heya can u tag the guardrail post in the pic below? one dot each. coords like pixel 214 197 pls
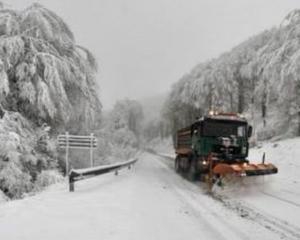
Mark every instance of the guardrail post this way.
pixel 91 150
pixel 67 153
pixel 71 183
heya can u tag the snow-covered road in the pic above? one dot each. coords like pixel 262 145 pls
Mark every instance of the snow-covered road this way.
pixel 148 202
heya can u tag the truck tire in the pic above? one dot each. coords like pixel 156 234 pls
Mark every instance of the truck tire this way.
pixel 192 173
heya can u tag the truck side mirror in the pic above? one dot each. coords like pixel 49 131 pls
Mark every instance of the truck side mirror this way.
pixel 250 129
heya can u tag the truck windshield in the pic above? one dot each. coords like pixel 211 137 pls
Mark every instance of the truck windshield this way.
pixel 223 129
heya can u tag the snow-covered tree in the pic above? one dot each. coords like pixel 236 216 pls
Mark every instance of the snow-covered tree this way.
pixel 45 75
pixel 120 133
pixel 127 114
pixel 259 77
pixel 46 79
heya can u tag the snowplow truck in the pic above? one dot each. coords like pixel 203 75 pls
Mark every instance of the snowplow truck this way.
pixel 216 146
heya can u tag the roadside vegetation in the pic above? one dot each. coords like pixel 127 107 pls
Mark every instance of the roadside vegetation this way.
pixel 47 85
pixel 258 78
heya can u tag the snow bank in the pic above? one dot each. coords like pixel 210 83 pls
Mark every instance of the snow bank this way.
pixel 46 178
pixel 285 155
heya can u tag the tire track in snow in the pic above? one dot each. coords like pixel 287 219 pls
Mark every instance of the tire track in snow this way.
pixel 290 192
pixel 282 228
pixel 201 210
pixel 280 199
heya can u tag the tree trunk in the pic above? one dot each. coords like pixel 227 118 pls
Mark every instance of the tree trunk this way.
pixel 297 88
pixel 231 103
pixel 241 95
pixel 264 112
pixel 264 104
pixel 210 98
pixel 298 123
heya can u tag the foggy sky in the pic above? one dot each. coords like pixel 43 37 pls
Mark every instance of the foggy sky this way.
pixel 143 46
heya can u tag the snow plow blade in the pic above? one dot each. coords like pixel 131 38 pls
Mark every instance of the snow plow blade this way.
pixel 245 169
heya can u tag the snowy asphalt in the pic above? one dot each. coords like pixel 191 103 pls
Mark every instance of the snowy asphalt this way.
pixel 147 202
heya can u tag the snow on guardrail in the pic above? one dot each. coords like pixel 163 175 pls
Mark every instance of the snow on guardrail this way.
pixel 80 174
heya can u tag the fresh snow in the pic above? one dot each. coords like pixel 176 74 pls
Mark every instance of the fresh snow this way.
pixel 274 200
pixel 150 201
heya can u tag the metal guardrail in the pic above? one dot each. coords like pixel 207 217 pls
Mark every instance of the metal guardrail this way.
pixel 80 174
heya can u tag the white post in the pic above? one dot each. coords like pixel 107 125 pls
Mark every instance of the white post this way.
pixel 91 150
pixel 67 153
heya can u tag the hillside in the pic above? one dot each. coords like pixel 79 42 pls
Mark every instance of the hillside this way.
pixel 152 106
pixel 47 85
pixel 258 78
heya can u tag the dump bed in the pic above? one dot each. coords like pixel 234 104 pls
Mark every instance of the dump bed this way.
pixel 184 141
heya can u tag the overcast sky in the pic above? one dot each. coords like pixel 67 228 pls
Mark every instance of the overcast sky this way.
pixel 143 46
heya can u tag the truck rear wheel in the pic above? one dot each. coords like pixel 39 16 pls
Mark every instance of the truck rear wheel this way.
pixel 192 173
pixel 177 164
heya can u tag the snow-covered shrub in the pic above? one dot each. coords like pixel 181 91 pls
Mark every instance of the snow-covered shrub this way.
pixel 119 137
pixel 123 137
pixel 46 178
pixel 3 197
pixel 13 181
pixel 21 158
pixel 115 146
